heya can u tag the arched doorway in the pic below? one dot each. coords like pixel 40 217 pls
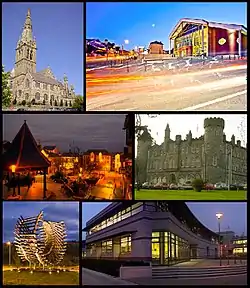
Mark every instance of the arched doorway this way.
pixel 172 178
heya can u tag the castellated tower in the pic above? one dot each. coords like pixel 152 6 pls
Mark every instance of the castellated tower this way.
pixel 144 144
pixel 214 156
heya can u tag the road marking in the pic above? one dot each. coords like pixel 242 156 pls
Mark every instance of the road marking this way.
pixel 196 107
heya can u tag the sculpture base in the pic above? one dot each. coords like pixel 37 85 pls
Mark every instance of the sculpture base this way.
pixel 40 270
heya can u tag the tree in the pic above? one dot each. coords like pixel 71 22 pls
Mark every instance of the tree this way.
pixel 78 103
pixel 6 92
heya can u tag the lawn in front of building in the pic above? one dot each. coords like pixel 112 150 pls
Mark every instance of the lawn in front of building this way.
pixel 145 194
pixel 38 278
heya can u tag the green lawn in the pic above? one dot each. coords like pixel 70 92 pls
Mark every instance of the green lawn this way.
pixel 144 194
pixel 40 278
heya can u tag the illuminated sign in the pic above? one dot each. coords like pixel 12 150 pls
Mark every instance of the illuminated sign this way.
pixel 222 41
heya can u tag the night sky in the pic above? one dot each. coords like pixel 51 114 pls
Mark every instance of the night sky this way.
pixel 92 131
pixel 53 211
pixel 234 219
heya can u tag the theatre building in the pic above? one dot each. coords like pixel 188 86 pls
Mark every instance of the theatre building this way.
pixel 163 232
pixel 196 37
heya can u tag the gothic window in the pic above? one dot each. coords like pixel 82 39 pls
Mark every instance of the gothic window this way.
pixel 31 55
pixel 27 96
pixel 214 160
pixel 52 98
pixel 182 163
pixel 46 98
pixel 37 96
pixel 37 85
pixel 28 53
pixel 44 86
pixel 51 87
pixel 27 83
pixel 19 93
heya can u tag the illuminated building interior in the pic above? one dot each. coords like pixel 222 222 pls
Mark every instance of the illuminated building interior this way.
pixel 196 37
pixel 137 238
pixel 240 246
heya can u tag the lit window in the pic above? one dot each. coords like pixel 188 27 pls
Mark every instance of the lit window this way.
pixel 126 244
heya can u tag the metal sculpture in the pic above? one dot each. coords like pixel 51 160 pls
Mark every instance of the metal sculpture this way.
pixel 40 242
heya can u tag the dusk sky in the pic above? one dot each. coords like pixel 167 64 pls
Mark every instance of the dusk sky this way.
pixel 58 29
pixel 234 219
pixel 93 131
pixel 141 23
pixel 53 211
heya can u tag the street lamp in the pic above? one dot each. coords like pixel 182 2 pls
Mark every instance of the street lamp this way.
pixel 107 50
pixel 9 244
pixel 13 170
pixel 219 216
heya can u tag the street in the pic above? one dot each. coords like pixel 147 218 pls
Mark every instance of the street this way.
pixel 90 277
pixel 112 186
pixel 214 87
pixel 234 280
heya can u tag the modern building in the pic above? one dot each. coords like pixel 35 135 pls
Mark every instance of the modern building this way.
pixel 195 37
pixel 156 47
pixel 210 157
pixel 233 245
pixel 31 87
pixel 163 232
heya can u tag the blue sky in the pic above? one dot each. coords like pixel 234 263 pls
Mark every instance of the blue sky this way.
pixel 58 29
pixel 133 21
pixel 53 211
pixel 234 219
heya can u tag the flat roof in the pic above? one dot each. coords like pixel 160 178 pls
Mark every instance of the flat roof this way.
pixel 178 208
pixel 177 28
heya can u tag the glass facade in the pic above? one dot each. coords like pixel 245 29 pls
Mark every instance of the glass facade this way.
pixel 168 248
pixel 107 247
pixel 122 215
pixel 125 244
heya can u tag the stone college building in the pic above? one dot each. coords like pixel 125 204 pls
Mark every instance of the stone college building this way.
pixel 36 87
pixel 210 157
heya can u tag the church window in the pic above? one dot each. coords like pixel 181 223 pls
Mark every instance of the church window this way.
pixel 52 98
pixel 27 96
pixel 214 160
pixel 27 83
pixel 28 53
pixel 51 87
pixel 19 93
pixel 45 86
pixel 31 55
pixel 37 85
pixel 37 96
pixel 46 98
pixel 182 163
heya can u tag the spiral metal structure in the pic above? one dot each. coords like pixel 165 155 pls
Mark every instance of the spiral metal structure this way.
pixel 40 242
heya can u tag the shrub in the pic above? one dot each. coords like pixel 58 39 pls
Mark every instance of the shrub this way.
pixel 23 102
pixel 198 184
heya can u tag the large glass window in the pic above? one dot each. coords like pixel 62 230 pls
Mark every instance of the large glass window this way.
pixel 107 247
pixel 121 215
pixel 126 244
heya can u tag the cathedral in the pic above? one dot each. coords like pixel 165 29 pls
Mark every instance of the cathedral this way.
pixel 31 87
pixel 210 157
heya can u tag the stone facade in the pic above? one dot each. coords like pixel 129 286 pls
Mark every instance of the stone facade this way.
pixel 209 157
pixel 36 87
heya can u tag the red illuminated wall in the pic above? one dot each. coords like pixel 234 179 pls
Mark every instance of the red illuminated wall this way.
pixel 229 47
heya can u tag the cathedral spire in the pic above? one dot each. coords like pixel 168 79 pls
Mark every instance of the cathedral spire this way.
pixel 27 29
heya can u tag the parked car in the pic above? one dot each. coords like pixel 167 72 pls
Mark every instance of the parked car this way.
pixel 221 186
pixel 209 186
pixel 186 186
pixel 173 186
